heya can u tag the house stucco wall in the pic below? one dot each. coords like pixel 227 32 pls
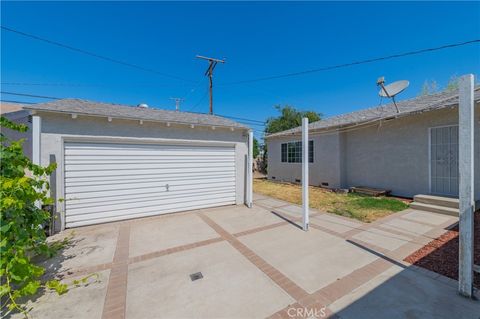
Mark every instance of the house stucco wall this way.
pixel 395 155
pixel 57 128
pixel 392 155
pixel 326 161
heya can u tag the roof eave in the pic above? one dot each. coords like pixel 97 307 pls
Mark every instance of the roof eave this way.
pixel 361 123
pixel 139 119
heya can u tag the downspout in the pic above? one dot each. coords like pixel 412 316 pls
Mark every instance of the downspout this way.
pixel 249 197
pixel 36 143
pixel 305 182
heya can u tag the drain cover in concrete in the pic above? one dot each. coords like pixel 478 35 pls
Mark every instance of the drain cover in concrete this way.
pixel 196 276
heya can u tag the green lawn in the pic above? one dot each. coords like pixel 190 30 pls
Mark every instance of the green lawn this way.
pixel 361 207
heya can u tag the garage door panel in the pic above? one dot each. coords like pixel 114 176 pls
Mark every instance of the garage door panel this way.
pixel 153 202
pixel 113 200
pixel 148 214
pixel 100 146
pixel 106 182
pixel 135 161
pixel 141 210
pixel 92 199
pixel 150 151
pixel 139 171
pixel 136 158
pixel 142 153
pixel 92 181
pixel 97 198
pixel 139 190
pixel 130 167
pixel 161 185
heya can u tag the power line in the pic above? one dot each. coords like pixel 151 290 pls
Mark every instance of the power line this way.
pixel 90 85
pixel 338 66
pixel 241 118
pixel 92 54
pixel 30 95
pixel 14 101
pixel 193 89
pixel 199 101
pixel 251 124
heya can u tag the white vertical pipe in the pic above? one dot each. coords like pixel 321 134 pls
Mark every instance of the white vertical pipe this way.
pixel 466 187
pixel 250 170
pixel 305 207
pixel 36 143
pixel 36 136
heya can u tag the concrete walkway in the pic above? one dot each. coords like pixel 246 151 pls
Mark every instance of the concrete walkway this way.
pixel 255 263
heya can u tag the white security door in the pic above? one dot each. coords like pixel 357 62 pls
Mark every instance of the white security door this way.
pixel 108 182
pixel 444 160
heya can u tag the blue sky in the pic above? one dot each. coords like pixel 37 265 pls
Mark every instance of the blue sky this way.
pixel 257 39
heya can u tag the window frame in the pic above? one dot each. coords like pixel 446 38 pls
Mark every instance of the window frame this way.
pixel 291 152
pixel 284 153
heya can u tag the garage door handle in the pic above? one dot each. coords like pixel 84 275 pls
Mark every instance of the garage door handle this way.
pixel 167 187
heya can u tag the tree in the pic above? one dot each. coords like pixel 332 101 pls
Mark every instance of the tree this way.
pixel 452 84
pixel 289 118
pixel 256 149
pixel 429 87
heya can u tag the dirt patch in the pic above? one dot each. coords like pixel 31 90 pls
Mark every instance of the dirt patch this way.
pixel 441 255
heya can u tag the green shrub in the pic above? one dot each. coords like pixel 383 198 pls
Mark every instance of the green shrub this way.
pixel 24 189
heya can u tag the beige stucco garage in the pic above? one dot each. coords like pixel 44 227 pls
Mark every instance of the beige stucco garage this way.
pixel 117 162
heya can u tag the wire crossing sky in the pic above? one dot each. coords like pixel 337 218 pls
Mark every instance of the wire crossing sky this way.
pixel 316 56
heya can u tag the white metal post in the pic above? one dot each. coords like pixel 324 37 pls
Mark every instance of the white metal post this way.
pixel 36 144
pixel 466 187
pixel 305 207
pixel 36 136
pixel 250 170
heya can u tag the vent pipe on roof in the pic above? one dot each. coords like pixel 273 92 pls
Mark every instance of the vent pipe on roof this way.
pixel 143 105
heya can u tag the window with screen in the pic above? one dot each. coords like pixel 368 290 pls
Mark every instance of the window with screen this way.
pixel 291 152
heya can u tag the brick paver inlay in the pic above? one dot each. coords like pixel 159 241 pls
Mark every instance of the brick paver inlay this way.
pixel 116 295
pixel 280 279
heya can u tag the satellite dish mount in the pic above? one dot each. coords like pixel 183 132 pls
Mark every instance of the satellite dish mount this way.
pixel 392 89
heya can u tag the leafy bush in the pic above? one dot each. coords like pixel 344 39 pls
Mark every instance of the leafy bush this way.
pixel 24 189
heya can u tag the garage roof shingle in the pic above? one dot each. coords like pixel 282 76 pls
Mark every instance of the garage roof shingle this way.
pixel 407 107
pixel 79 106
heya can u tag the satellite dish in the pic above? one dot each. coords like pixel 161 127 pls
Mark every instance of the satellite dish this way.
pixel 392 89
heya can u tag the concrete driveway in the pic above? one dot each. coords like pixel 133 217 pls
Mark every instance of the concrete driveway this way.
pixel 255 263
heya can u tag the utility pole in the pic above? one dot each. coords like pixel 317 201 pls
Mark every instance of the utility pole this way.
pixel 212 64
pixel 178 101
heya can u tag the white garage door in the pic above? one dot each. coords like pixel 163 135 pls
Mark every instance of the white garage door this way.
pixel 108 182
